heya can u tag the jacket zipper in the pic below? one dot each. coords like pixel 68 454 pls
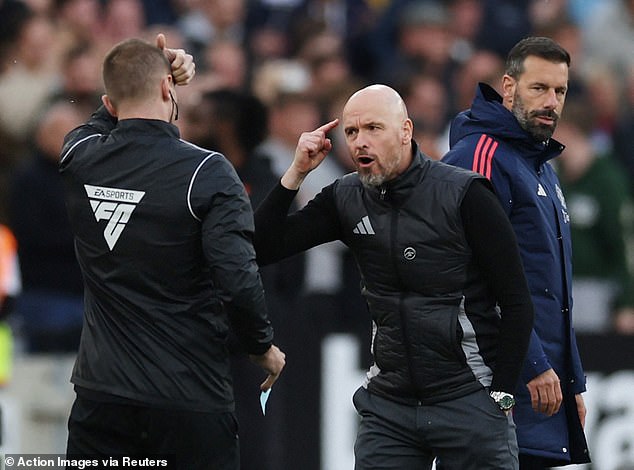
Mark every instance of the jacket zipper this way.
pixel 401 310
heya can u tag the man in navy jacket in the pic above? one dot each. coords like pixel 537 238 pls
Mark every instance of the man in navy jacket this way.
pixel 508 139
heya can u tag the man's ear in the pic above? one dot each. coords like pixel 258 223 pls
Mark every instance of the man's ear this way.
pixel 509 85
pixel 166 87
pixel 109 105
pixel 408 131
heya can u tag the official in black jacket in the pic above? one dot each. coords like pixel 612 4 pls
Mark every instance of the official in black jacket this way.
pixel 443 281
pixel 163 234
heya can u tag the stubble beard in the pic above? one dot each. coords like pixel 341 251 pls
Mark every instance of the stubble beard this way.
pixel 370 180
pixel 528 120
pixel 375 180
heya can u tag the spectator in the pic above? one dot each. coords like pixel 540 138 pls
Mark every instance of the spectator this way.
pixel 481 67
pixel 80 22
pixel 29 78
pixel 206 21
pixel 466 18
pixel 317 286
pixel 10 280
pixel 226 65
pixel 161 12
pixel 604 91
pixel 9 288
pixel 598 199
pixel 542 14
pixel 324 55
pixel 422 38
pixel 507 21
pixel 50 308
pixel 14 14
pixel 609 35
pixel 623 142
pixel 427 102
pixel 123 19
pixel 236 124
pixel 80 17
pixel 80 81
pixel 280 77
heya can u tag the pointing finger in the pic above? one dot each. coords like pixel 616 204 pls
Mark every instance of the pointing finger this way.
pixel 328 126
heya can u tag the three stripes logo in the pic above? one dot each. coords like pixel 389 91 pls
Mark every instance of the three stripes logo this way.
pixel 483 156
pixel 114 205
pixel 364 227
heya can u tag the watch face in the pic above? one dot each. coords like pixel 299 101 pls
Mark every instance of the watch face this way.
pixel 506 402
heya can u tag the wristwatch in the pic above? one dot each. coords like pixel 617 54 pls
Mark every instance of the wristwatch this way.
pixel 504 400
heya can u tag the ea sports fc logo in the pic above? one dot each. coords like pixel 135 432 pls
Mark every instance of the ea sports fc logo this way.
pixel 114 205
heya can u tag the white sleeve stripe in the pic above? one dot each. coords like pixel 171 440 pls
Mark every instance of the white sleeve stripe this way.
pixel 191 185
pixel 77 143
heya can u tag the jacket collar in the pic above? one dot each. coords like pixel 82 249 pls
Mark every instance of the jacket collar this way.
pixel 149 126
pixel 488 116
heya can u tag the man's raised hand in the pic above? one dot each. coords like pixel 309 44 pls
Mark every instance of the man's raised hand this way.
pixel 311 150
pixel 183 66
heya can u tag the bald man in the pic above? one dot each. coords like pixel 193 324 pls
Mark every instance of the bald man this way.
pixel 442 278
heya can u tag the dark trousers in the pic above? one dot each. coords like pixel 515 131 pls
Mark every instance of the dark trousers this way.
pixel 466 433
pixel 187 440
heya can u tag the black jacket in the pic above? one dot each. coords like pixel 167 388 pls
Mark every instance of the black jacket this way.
pixel 431 287
pixel 163 235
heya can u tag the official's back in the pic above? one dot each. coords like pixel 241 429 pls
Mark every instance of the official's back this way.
pixel 140 201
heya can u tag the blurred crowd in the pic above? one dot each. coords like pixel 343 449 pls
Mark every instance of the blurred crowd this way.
pixel 268 70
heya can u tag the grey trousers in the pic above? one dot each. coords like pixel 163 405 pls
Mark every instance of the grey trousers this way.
pixel 469 432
